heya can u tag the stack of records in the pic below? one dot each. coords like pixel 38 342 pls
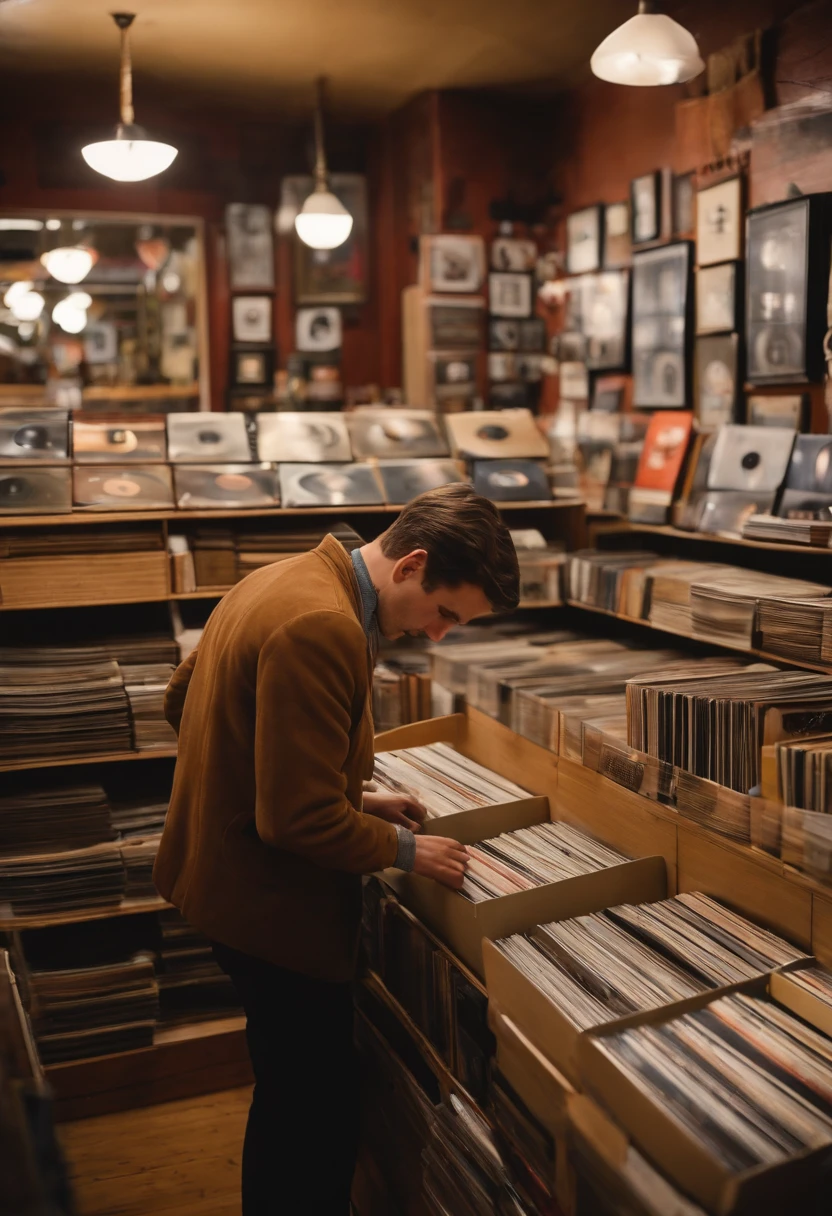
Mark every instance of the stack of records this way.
pixel 262 548
pixel 474 644
pixel 215 563
pixel 138 858
pixel 724 609
pixel 667 592
pixel 541 567
pixel 443 780
pixel 418 974
pixel 138 817
pixel 42 883
pixel 129 648
pixel 145 686
pixel 94 1011
pixel 37 818
pixel 815 982
pixel 611 964
pixel 804 772
pixel 191 985
pixel 532 857
pixel 815 532
pixel 796 629
pixel 464 1172
pixel 527 1147
pixel 599 580
pixel 401 688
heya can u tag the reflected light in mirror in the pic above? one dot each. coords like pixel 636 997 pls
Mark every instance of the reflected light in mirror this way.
pixel 71 318
pixel 69 264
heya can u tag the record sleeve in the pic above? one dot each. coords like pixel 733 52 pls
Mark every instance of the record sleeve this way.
pixel 790 410
pixel 232 486
pixel 303 437
pixel 390 433
pixel 329 485
pixel 496 434
pixel 716 379
pixel 134 488
pixel 753 459
pixel 728 510
pixel 511 480
pixel 34 435
pixel 208 437
pixel 27 491
pixel 807 493
pixel 110 439
pixel 665 446
pixel 406 479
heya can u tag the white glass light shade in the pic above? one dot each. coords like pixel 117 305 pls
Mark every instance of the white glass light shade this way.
pixel 24 305
pixel 323 221
pixel 649 49
pixel 16 290
pixel 71 318
pixel 69 264
pixel 79 299
pixel 129 160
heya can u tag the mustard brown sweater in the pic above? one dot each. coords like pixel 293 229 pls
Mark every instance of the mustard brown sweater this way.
pixel 265 840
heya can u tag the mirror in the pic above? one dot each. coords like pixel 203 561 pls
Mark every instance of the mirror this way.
pixel 103 312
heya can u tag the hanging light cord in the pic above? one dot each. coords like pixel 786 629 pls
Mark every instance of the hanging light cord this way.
pixel 320 157
pixel 124 21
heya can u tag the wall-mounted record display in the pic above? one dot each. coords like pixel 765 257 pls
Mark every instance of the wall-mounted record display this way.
pixel 788 409
pixel 133 488
pixel 210 437
pixel 30 491
pixel 750 458
pixel 110 439
pixel 34 435
pixel 303 438
pixel 496 434
pixel 329 485
pixel 511 480
pixel 396 433
pixel 406 479
pixel 807 492
pixel 716 380
pixel 204 487
pixel 660 309
pixel 787 272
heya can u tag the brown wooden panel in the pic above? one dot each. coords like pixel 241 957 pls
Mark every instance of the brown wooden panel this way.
pixel 822 928
pixel 498 748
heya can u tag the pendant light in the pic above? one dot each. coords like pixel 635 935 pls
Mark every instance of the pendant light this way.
pixel 131 156
pixel 23 302
pixel 649 49
pixel 69 263
pixel 323 221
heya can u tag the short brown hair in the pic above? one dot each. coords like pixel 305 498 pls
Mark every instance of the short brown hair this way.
pixel 465 539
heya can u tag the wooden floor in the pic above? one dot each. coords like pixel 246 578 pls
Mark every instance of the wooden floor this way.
pixel 179 1159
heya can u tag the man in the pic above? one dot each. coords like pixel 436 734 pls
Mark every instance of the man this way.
pixel 266 836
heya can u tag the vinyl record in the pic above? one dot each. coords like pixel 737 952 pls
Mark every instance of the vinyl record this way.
pixel 34 435
pixel 810 468
pixel 329 485
pixel 303 437
pixel 35 491
pixel 496 434
pixel 511 480
pixel 396 433
pixel 203 487
pixel 406 479
pixel 122 489
pixel 753 459
pixel 208 437
pixel 109 439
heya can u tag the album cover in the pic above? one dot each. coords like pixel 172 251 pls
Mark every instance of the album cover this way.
pixel 716 379
pixel 719 218
pixel 396 433
pixel 717 298
pixel 504 334
pixel 252 368
pixel 665 447
pixel 208 436
pixel 695 484
pixel 452 263
pixel 248 230
pixel 787 410
pixel 502 365
pixel 496 434
pixel 28 491
pixel 510 253
pixel 303 438
pixel 607 394
pixel 584 240
pixel 508 395
pixel 108 438
pixel 455 324
pixel 729 510
pixel 753 459
pixel 329 485
pixel 646 208
pixel 511 480
pixel 33 434
pixel 318 329
pixel 406 479
pixel 807 492
pixel 617 244
pixel 251 318
pixel 510 295
pixel 231 486
pixel 661 293
pixel 134 488
pixel 532 335
pixel 452 376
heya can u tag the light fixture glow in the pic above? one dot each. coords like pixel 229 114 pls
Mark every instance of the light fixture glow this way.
pixel 25 305
pixel 69 263
pixel 17 289
pixel 649 49
pixel 7 225
pixel 80 299
pixel 53 225
pixel 69 316
pixel 130 156
pixel 323 221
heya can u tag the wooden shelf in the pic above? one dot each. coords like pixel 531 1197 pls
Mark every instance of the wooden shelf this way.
pixel 127 907
pixel 20 766
pixel 140 392
pixel 709 538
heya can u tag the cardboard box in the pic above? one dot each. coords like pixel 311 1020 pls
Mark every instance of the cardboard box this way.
pixel 535 1080
pixel 796 998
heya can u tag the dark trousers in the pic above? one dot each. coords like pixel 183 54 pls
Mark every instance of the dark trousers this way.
pixel 302 1134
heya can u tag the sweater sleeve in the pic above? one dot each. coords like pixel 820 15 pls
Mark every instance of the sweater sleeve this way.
pixel 177 690
pixel 311 681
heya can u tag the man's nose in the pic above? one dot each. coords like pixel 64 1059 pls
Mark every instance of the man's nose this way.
pixel 437 632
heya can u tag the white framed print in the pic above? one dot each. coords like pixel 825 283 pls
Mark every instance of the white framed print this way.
pixel 318 329
pixel 719 222
pixel 509 295
pixel 453 263
pixel 251 318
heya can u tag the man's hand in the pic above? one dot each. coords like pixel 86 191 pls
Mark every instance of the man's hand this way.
pixel 441 859
pixel 394 808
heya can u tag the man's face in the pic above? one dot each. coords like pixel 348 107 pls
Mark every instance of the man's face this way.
pixel 405 607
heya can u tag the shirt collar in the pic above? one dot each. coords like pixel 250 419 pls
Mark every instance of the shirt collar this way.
pixel 369 598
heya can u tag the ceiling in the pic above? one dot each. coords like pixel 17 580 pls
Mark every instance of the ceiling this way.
pixel 375 53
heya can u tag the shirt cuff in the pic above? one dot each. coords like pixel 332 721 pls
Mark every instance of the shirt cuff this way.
pixel 406 855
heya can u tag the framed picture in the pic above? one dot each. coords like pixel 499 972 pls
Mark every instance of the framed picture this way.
pixel 502 366
pixel 788 409
pixel 716 380
pixel 682 205
pixel 251 318
pixel 328 276
pixel 510 295
pixel 503 335
pixel 512 395
pixel 452 263
pixel 533 335
pixel 509 253
pixel 607 394
pixel 574 381
pixel 646 207
pixel 661 303
pixel 318 329
pixel 717 298
pixel 584 240
pixel 252 368
pixel 530 368
pixel 719 222
pixel 248 230
pixel 617 243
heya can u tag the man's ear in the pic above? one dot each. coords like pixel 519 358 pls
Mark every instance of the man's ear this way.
pixel 410 566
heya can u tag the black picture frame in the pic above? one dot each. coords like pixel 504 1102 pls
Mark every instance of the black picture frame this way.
pixel 252 367
pixel 661 311
pixel 646 208
pixel 717 380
